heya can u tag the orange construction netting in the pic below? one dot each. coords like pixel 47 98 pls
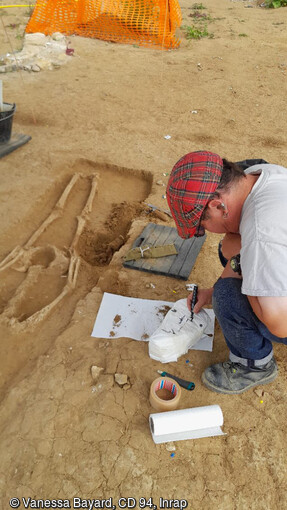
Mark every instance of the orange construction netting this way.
pixel 142 22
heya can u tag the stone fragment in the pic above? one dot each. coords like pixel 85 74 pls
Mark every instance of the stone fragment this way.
pixel 57 36
pixel 35 68
pixel 260 393
pixel 121 379
pixel 96 372
pixel 37 39
pixel 170 447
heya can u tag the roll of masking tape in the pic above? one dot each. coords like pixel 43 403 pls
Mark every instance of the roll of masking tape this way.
pixel 164 394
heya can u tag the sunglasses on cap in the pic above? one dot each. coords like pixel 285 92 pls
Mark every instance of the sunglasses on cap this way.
pixel 200 231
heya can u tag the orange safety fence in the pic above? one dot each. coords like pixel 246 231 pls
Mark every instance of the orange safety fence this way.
pixel 141 22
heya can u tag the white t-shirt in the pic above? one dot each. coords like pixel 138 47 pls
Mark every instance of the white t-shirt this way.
pixel 263 229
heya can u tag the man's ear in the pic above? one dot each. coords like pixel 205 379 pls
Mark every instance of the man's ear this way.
pixel 216 203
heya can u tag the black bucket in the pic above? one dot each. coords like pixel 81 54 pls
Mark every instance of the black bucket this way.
pixel 6 121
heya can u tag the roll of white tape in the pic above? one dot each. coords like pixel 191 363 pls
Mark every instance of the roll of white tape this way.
pixel 190 423
pixel 164 394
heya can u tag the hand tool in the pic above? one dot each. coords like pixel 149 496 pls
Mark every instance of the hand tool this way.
pixel 188 385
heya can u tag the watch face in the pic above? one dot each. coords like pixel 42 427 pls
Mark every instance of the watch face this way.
pixel 235 264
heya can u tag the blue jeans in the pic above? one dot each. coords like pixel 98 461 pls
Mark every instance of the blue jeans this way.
pixel 248 339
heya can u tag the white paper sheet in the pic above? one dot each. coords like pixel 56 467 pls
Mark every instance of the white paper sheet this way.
pixel 183 424
pixel 121 316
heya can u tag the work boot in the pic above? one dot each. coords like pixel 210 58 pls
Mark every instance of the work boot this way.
pixel 234 378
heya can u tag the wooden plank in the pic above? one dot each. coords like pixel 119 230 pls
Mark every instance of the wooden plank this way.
pixel 163 265
pixel 176 266
pixel 187 256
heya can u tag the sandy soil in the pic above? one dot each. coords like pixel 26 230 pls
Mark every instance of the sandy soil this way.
pixel 105 114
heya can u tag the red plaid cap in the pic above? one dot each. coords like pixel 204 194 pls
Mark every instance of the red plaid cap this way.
pixel 192 182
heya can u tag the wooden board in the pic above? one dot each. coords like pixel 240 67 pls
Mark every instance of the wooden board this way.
pixel 16 140
pixel 177 266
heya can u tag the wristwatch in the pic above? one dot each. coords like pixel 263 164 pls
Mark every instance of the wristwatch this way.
pixel 235 264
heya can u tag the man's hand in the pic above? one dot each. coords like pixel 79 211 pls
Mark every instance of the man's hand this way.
pixel 204 297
